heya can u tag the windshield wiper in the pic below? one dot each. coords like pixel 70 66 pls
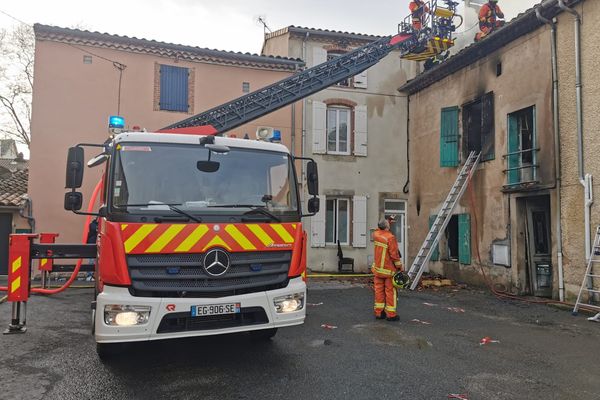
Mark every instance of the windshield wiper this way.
pixel 172 207
pixel 180 211
pixel 253 209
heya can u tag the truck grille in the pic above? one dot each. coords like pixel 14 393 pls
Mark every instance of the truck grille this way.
pixel 182 322
pixel 183 275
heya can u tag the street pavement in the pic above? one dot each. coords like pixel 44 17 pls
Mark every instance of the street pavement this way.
pixel 541 353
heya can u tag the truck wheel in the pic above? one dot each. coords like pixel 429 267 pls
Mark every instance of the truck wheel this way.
pixel 263 334
pixel 107 351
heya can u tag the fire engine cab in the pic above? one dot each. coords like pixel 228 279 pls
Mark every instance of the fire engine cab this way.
pixel 197 235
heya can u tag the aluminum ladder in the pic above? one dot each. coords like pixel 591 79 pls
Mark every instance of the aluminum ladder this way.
pixel 588 280
pixel 442 219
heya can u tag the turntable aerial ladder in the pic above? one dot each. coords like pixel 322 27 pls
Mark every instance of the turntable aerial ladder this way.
pixel 434 37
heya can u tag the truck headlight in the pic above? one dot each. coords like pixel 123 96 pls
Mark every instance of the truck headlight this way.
pixel 289 303
pixel 124 315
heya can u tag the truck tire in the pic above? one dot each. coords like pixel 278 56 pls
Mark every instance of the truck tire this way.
pixel 263 334
pixel 107 351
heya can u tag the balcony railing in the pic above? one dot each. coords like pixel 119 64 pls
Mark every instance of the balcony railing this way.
pixel 522 168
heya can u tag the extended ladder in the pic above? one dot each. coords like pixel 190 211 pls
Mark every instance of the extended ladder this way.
pixel 441 221
pixel 588 280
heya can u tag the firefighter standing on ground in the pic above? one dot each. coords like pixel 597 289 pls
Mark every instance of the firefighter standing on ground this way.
pixel 386 262
pixel 488 19
pixel 418 8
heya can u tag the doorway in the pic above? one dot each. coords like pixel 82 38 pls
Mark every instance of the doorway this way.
pixel 5 230
pixel 538 246
pixel 397 208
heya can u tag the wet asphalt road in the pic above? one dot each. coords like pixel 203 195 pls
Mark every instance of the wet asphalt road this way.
pixel 544 353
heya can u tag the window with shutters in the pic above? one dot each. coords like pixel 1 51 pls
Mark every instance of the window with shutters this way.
pixel 478 127
pixel 337 220
pixel 449 137
pixel 338 130
pixel 397 209
pixel 174 88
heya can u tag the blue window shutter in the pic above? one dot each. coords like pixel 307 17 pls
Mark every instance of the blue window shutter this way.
pixel 449 137
pixel 514 160
pixel 464 237
pixel 173 88
pixel 435 256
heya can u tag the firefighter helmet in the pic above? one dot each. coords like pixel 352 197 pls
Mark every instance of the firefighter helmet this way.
pixel 400 280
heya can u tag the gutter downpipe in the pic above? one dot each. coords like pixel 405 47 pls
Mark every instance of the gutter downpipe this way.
pixel 557 169
pixel 304 103
pixel 585 180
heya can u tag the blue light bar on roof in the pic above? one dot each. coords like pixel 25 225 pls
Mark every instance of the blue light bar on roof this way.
pixel 114 121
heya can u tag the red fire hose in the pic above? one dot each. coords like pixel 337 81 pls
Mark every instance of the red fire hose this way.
pixel 79 262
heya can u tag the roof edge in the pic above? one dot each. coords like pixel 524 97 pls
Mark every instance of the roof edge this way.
pixel 60 34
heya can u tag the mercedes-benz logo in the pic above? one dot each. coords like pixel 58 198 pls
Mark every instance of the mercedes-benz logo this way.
pixel 216 262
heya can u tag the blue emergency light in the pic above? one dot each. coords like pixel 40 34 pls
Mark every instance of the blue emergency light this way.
pixel 276 136
pixel 116 122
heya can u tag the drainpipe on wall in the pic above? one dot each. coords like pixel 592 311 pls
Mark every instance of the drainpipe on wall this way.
pixel 585 180
pixel 557 171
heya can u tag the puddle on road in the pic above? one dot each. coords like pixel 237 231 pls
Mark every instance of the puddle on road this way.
pixel 388 336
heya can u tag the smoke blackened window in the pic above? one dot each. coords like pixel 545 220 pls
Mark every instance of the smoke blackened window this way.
pixel 478 127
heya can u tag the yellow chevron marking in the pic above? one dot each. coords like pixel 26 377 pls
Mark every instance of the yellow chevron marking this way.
pixel 44 262
pixel 260 234
pixel 282 233
pixel 124 226
pixel 16 284
pixel 239 237
pixel 16 264
pixel 216 241
pixel 164 239
pixel 138 236
pixel 192 239
pixel 294 226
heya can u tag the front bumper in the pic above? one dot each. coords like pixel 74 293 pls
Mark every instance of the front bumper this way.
pixel 161 307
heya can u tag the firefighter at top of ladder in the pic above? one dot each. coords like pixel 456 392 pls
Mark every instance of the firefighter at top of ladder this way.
pixel 418 8
pixel 489 14
pixel 385 264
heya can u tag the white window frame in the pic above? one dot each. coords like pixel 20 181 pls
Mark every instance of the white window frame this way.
pixel 336 208
pixel 337 131
pixel 402 213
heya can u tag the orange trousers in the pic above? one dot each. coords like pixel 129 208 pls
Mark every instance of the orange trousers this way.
pixel 386 297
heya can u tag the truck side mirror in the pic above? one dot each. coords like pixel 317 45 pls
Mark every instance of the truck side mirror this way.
pixel 313 205
pixel 312 179
pixel 74 168
pixel 73 201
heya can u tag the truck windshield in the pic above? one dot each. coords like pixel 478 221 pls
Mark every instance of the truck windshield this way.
pixel 152 177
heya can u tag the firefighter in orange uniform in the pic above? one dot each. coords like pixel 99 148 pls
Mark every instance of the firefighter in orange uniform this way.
pixel 488 19
pixel 418 8
pixel 386 262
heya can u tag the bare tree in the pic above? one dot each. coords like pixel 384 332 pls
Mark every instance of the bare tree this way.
pixel 16 82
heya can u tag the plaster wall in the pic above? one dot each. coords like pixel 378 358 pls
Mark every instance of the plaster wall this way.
pixel 72 102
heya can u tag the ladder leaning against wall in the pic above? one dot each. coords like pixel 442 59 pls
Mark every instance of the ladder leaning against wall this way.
pixel 442 219
pixel 591 281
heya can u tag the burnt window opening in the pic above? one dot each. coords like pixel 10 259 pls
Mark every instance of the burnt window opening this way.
pixel 499 69
pixel 451 236
pixel 478 127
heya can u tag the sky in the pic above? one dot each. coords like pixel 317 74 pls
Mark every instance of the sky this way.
pixel 219 24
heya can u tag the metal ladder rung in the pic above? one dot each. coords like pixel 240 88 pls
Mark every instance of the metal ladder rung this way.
pixel 593 290
pixel 593 276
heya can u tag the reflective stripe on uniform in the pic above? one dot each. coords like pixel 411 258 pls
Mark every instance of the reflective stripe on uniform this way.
pixel 383 271
pixel 392 307
pixel 398 263
pixel 383 254
pixel 379 306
